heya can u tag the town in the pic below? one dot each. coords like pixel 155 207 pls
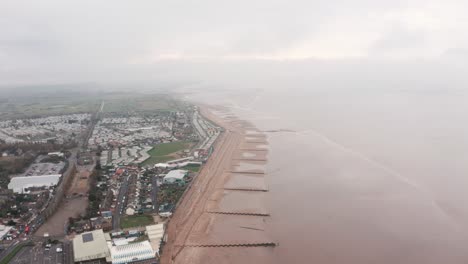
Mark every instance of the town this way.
pixel 97 186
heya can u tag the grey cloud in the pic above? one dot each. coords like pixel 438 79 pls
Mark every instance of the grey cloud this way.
pixel 53 39
pixel 399 39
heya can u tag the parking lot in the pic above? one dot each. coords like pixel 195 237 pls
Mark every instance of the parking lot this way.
pixel 44 168
pixel 39 254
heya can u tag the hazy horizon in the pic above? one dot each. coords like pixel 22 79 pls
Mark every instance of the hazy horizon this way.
pixel 239 44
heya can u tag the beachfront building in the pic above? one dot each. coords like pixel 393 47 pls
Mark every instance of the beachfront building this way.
pixel 155 235
pixel 132 252
pixel 175 176
pixel 91 247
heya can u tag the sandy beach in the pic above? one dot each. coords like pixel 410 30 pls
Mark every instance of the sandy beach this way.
pixel 359 178
pixel 225 204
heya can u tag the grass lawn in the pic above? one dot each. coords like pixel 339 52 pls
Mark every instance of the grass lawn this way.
pixel 46 106
pixel 161 152
pixel 192 168
pixel 124 102
pixel 136 221
pixel 168 148
pixel 170 194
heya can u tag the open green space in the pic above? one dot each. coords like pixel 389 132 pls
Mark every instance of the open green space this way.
pixel 123 103
pixel 192 168
pixel 136 221
pixel 170 193
pixel 30 102
pixel 45 106
pixel 168 148
pixel 162 152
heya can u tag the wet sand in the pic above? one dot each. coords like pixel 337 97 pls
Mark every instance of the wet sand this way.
pixel 361 176
pixel 218 208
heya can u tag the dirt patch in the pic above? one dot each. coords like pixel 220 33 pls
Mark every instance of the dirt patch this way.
pixel 80 184
pixel 55 225
pixel 74 204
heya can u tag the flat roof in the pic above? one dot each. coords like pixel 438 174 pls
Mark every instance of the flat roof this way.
pixel 155 232
pixel 176 174
pixel 155 235
pixel 4 230
pixel 89 246
pixel 18 184
pixel 132 252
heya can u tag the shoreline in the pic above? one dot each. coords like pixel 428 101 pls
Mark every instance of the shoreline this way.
pixel 202 215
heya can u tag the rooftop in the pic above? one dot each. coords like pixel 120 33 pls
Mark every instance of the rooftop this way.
pixel 155 234
pixel 18 184
pixel 4 230
pixel 176 174
pixel 89 246
pixel 132 252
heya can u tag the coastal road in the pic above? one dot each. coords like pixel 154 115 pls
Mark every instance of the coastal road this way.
pixel 193 204
pixel 121 203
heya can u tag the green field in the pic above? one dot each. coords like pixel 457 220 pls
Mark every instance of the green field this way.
pixel 162 152
pixel 124 103
pixel 136 221
pixel 192 168
pixel 45 101
pixel 40 106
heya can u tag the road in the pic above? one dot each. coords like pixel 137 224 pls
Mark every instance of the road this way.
pixel 38 254
pixel 60 191
pixel 37 221
pixel 192 206
pixel 49 256
pixel 102 106
pixel 121 203
pixel 154 193
pixel 10 247
pixel 94 120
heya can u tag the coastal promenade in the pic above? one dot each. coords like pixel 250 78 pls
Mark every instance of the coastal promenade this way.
pixel 190 224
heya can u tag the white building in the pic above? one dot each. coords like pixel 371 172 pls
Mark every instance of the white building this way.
pixel 130 211
pixel 132 252
pixel 4 230
pixel 55 154
pixel 175 176
pixel 90 246
pixel 155 235
pixel 19 184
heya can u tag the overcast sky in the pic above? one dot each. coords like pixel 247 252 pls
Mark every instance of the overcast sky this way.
pixel 86 40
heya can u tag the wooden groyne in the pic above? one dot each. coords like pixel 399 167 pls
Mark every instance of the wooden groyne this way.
pixel 246 189
pixel 238 213
pixel 248 172
pixel 247 159
pixel 259 244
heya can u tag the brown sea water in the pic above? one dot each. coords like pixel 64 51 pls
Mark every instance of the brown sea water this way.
pixel 362 178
